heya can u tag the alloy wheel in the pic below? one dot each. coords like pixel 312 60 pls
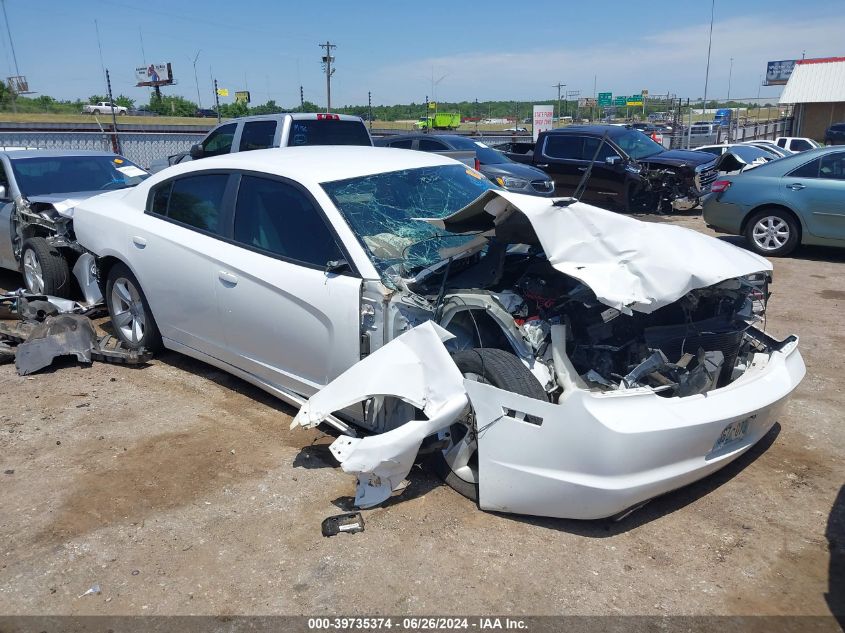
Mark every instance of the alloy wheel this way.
pixel 127 310
pixel 770 233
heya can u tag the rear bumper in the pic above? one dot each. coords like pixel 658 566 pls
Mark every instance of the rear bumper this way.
pixel 596 455
pixel 723 216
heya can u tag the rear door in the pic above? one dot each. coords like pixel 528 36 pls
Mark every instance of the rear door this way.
pixel 285 319
pixel 561 158
pixel 817 191
pixel 174 250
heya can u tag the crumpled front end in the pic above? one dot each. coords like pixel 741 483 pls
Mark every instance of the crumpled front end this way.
pixel 628 374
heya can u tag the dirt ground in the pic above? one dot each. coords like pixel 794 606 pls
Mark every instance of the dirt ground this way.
pixel 180 490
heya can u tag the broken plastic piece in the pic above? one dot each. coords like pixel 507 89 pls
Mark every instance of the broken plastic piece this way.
pixel 61 335
pixel 94 590
pixel 350 523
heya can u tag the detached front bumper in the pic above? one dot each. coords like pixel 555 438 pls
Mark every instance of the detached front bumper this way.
pixel 595 455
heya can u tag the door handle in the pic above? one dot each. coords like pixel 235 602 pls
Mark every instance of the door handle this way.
pixel 139 241
pixel 796 186
pixel 544 165
pixel 227 278
pixel 582 169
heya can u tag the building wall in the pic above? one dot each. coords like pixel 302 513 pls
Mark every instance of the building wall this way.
pixel 814 118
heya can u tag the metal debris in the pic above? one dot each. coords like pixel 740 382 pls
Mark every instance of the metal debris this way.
pixel 350 522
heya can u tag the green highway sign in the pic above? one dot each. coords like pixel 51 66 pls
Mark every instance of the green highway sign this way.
pixel 620 101
pixel 605 99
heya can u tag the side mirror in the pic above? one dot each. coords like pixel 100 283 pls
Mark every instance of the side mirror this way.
pixel 3 194
pixel 336 266
pixel 196 151
pixel 613 160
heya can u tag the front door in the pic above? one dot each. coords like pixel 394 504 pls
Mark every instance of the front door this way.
pixel 285 319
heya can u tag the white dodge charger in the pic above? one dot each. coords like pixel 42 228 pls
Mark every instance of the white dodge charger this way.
pixel 553 358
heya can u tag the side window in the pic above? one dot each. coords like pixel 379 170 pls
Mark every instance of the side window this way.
pixel 564 146
pixel 833 166
pixel 197 201
pixel 428 145
pixel 606 151
pixel 220 140
pixel 161 196
pixel 4 182
pixel 781 142
pixel 405 143
pixel 810 170
pixel 800 145
pixel 278 218
pixel 257 135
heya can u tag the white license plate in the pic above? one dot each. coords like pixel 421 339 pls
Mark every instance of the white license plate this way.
pixel 733 432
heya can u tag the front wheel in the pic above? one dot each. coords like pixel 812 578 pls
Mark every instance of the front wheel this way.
pixel 44 268
pixel 457 462
pixel 772 232
pixel 129 311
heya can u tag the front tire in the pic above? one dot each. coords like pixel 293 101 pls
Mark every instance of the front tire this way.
pixel 44 268
pixel 130 314
pixel 772 232
pixel 457 463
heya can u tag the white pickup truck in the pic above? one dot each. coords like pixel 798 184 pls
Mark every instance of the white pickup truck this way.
pixel 103 107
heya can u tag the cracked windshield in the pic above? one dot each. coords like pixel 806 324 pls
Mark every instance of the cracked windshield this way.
pixel 384 211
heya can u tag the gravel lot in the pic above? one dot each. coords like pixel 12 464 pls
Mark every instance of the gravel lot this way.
pixel 180 490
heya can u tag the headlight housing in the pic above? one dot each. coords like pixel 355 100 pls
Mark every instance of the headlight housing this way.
pixel 511 183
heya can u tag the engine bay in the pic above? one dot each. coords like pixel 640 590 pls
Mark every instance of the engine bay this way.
pixel 701 342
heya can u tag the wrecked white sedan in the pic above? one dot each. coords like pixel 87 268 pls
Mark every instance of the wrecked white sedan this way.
pixel 556 359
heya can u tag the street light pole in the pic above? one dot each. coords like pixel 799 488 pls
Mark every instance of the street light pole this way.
pixel 196 81
pixel 730 75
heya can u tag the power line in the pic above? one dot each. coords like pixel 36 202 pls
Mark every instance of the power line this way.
pixel 11 43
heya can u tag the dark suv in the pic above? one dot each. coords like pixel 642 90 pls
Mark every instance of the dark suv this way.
pixel 630 173
pixel 835 134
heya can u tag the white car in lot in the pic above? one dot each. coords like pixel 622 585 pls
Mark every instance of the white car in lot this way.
pixel 553 358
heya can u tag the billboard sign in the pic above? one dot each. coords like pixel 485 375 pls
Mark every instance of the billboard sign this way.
pixel 777 73
pixel 242 96
pixel 543 115
pixel 605 99
pixel 587 102
pixel 154 75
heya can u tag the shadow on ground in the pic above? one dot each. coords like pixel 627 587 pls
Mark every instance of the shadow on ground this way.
pixel 835 534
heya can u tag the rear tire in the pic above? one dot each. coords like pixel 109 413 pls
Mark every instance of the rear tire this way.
pixel 457 463
pixel 772 232
pixel 130 314
pixel 44 268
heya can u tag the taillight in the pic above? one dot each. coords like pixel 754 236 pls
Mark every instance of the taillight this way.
pixel 477 164
pixel 327 117
pixel 719 186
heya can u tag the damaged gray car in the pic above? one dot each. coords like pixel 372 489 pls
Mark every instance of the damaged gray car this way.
pixel 38 192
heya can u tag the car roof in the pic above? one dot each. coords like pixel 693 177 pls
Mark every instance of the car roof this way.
pixel 297 116
pixel 314 164
pixel 46 153
pixel 788 163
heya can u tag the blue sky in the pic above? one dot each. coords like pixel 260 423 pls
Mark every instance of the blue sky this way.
pixel 485 50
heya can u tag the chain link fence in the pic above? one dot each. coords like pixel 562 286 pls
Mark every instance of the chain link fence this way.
pixel 141 148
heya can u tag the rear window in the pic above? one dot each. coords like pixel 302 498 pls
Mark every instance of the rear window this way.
pixel 328 132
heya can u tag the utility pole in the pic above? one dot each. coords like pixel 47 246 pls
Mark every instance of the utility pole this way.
pixel 476 116
pixel 15 57
pixel 370 109
pixel 426 128
pixel 301 99
pixel 328 58
pixel 558 86
pixel 709 46
pixel 217 100
pixel 115 140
